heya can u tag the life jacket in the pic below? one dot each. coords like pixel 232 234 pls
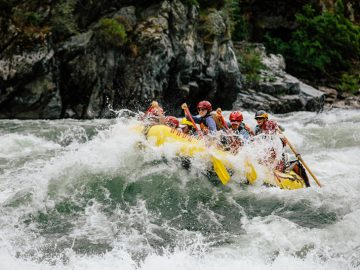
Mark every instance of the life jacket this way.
pixel 269 127
pixel 203 125
pixel 243 131
pixel 218 121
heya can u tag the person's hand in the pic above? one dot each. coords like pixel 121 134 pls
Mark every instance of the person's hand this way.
pixel 218 111
pixel 184 106
pixel 283 138
pixel 154 104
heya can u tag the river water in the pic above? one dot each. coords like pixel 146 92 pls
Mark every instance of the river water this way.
pixel 95 195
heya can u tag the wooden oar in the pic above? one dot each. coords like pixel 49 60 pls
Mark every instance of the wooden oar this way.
pixel 298 156
pixel 251 174
pixel 219 167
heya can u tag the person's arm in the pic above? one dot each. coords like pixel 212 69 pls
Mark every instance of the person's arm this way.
pixel 278 130
pixel 248 128
pixel 197 119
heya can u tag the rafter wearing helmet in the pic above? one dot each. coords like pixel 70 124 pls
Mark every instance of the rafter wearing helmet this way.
pixel 239 133
pixel 172 122
pixel 264 125
pixel 154 110
pixel 154 114
pixel 204 118
pixel 238 126
pixel 187 127
pixel 270 127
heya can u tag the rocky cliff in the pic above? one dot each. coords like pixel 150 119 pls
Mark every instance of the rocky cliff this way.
pixel 82 59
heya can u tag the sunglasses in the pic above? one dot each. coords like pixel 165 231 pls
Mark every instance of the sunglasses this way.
pixel 201 109
pixel 259 118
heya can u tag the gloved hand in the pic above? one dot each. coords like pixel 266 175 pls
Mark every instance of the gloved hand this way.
pixel 184 106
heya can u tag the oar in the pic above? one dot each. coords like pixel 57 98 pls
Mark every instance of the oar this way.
pixel 251 174
pixel 219 167
pixel 298 156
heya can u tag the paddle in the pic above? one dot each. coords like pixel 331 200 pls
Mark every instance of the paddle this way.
pixel 219 167
pixel 298 156
pixel 251 174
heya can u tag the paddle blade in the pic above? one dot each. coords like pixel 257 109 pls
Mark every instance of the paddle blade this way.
pixel 220 170
pixel 251 174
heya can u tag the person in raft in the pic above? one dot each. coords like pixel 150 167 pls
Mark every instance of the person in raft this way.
pixel 266 126
pixel 187 127
pixel 204 118
pixel 270 127
pixel 155 114
pixel 172 121
pixel 240 132
pixel 238 126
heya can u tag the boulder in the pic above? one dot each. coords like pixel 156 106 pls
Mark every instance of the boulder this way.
pixel 277 91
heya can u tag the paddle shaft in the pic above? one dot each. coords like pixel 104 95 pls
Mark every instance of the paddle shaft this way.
pixel 228 131
pixel 223 121
pixel 188 114
pixel 298 156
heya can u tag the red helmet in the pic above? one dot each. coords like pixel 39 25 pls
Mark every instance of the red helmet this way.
pixel 155 111
pixel 205 105
pixel 236 117
pixel 171 121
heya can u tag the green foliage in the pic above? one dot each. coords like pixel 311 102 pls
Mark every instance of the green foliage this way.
pixel 28 18
pixel 31 25
pixel 190 2
pixel 213 25
pixel 239 28
pixel 321 45
pixel 222 19
pixel 112 32
pixel 250 65
pixel 349 83
pixel 63 21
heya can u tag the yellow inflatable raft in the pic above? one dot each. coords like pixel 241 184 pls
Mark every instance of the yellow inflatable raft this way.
pixel 190 146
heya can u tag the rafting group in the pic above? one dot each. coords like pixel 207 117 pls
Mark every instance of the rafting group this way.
pixel 230 136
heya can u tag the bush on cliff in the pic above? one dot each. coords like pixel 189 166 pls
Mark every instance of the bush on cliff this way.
pixel 323 45
pixel 250 64
pixel 349 83
pixel 63 21
pixel 112 32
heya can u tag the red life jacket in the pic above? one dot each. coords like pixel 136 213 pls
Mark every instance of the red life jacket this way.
pixel 269 127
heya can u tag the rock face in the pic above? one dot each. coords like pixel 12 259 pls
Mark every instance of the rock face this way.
pixel 84 59
pixel 276 90
pixel 171 54
pixel 333 99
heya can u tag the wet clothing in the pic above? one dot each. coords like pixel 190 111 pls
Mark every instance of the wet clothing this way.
pixel 269 127
pixel 207 123
pixel 242 131
pixel 154 115
pixel 232 140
